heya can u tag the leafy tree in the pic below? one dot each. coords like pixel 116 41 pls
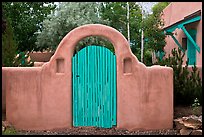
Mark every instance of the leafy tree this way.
pixel 153 33
pixel 116 13
pixel 66 17
pixel 26 18
pixel 9 45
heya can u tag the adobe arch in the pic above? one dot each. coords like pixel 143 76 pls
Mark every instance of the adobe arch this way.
pixel 67 46
pixel 127 66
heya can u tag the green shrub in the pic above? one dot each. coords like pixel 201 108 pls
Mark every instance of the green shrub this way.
pixel 187 84
pixel 9 131
pixel 148 58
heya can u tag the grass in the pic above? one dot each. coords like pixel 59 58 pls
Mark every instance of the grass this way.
pixel 9 131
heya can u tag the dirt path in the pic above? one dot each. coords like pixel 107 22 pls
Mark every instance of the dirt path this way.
pixel 98 131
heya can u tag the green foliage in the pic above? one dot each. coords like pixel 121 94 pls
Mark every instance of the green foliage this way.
pixel 148 58
pixel 153 28
pixel 187 84
pixel 66 17
pixel 153 33
pixel 195 104
pixel 9 45
pixel 21 60
pixel 159 7
pixel 94 40
pixel 116 13
pixel 9 131
pixel 26 19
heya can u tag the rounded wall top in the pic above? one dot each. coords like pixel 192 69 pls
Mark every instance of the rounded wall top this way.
pixel 69 42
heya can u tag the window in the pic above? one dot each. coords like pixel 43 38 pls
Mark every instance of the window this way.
pixel 184 43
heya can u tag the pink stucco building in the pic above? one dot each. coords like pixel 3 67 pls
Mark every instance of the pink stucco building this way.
pixel 183 27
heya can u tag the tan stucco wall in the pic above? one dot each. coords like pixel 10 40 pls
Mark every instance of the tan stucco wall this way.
pixel 38 98
pixel 175 12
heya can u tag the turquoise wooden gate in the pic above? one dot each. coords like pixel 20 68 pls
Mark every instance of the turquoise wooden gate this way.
pixel 94 87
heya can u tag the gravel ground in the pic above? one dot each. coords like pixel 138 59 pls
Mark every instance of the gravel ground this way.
pixel 98 131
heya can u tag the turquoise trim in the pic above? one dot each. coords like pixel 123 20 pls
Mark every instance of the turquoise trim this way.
pixel 181 26
pixel 176 41
pixel 191 39
pixel 172 28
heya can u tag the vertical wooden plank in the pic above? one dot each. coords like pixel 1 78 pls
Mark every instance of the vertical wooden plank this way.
pixel 79 91
pixel 111 85
pixel 85 86
pixel 75 91
pixel 98 87
pixel 101 84
pixel 73 97
pixel 115 93
pixel 103 73
pixel 88 81
pixel 81 86
pixel 105 89
pixel 94 86
pixel 90 88
pixel 91 72
pixel 109 90
pixel 96 83
pixel 87 58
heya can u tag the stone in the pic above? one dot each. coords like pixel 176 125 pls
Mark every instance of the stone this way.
pixel 192 122
pixel 200 118
pixel 196 132
pixel 185 131
pixel 3 128
pixel 193 125
pixel 179 123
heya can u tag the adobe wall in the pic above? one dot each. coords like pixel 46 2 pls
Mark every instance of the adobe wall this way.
pixel 40 98
pixel 175 12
